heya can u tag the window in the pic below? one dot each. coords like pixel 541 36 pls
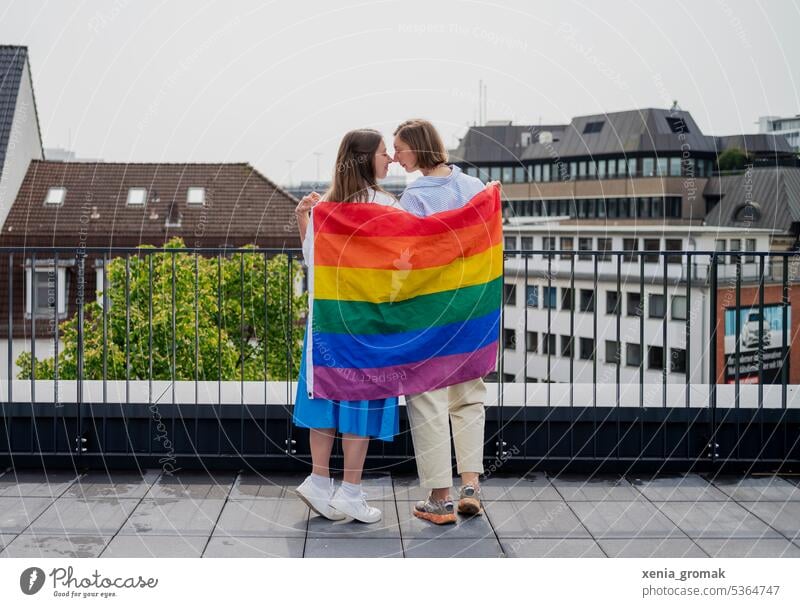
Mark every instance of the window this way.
pixel 661 166
pixel 592 127
pixel 573 170
pixel 566 245
pixel 510 243
pixel 612 302
pixel 537 172
pixel 750 246
pixel 612 167
pixel 633 355
pixel 196 196
pixel 545 172
pixel 677 125
pixel 601 169
pixel 508 174
pixel 604 245
pixel 736 245
pixel 587 300
pixel 137 196
pixel 632 167
pixel 678 307
pixel 673 244
pixel 719 247
pixel 651 244
pixel 582 169
pixel 675 167
pixel 747 214
pixel 532 341
pixel 634 304
pixel 549 294
pixel 612 205
pixel 612 352
pixel 549 343
pixel 677 360
pixel 496 173
pixel 655 357
pixel 472 171
pixel 519 174
pixel 41 285
pixel 566 346
pixel 648 167
pixel 566 299
pixel 532 296
pixel 527 243
pixel 656 307
pixel 630 244
pixel 587 348
pixel 592 169
pixel 657 207
pixel 584 244
pixel 510 339
pixel 55 196
pixel 642 207
pixel 510 294
pixel 548 244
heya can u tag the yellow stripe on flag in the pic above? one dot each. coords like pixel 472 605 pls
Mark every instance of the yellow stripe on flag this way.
pixel 378 286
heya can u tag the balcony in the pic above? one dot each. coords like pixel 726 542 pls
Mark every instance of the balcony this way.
pixel 158 415
pixel 191 360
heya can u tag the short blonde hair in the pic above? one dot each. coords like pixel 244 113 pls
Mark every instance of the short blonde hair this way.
pixel 424 140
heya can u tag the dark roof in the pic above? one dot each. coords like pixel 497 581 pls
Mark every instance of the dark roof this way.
pixel 774 194
pixel 756 143
pixel 498 143
pixel 12 63
pixel 242 206
pixel 644 130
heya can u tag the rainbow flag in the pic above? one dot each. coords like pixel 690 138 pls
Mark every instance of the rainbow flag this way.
pixel 402 304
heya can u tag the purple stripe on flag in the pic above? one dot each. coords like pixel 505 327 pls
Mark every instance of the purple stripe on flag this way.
pixel 336 383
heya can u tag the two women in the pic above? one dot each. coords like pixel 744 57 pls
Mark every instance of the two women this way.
pixel 362 160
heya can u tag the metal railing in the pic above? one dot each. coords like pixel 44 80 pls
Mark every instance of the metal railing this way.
pixel 190 359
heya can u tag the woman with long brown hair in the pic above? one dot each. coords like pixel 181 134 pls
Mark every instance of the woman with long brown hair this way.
pixel 361 161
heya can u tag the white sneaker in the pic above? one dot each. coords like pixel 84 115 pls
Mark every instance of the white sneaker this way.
pixel 318 500
pixel 357 509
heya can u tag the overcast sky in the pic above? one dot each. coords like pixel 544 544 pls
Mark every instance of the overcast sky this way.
pixel 272 82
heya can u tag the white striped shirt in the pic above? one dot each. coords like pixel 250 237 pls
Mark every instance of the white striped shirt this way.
pixel 428 195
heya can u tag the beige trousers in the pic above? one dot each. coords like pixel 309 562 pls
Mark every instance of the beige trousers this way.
pixel 429 413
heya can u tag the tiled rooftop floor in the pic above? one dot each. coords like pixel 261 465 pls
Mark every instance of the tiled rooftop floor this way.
pixel 228 514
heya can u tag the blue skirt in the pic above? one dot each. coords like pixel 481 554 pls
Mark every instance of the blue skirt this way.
pixel 371 418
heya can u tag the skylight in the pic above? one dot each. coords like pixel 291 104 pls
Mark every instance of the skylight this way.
pixel 137 196
pixel 593 127
pixel 55 196
pixel 677 125
pixel 195 195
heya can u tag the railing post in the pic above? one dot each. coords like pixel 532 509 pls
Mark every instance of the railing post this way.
pixel 80 440
pixel 712 446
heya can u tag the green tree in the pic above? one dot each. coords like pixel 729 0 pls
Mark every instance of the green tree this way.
pixel 734 159
pixel 234 332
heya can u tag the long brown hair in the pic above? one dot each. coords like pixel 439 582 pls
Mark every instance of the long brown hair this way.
pixel 354 172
